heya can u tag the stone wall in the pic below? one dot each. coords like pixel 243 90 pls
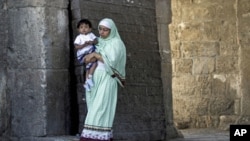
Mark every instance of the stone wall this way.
pixel 4 99
pixel 163 18
pixel 37 67
pixel 209 43
pixel 243 41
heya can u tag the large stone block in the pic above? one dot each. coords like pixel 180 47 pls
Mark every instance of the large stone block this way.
pixel 38 3
pixel 38 67
pixel 38 101
pixel 4 104
pixel 227 64
pixel 203 65
pixel 42 42
pixel 4 99
pixel 245 74
pixel 27 90
pixel 57 101
pixel 183 66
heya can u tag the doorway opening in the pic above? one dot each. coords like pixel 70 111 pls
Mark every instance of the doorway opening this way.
pixel 73 122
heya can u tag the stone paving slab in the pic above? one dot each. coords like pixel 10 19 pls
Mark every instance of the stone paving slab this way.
pixel 203 135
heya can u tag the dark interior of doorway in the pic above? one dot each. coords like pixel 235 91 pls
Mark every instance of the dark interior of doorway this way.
pixel 74 109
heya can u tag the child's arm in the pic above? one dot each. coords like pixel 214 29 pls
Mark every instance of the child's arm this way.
pixel 94 42
pixel 80 46
pixel 92 57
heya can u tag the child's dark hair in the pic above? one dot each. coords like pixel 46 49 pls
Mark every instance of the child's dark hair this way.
pixel 84 21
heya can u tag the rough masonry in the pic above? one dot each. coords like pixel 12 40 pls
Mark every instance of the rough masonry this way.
pixel 210 47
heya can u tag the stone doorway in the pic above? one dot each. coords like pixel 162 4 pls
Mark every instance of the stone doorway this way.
pixel 42 95
pixel 146 103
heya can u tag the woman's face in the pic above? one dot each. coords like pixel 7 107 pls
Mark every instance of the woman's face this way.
pixel 104 31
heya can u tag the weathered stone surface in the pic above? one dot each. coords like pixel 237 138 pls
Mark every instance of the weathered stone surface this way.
pixel 43 95
pixel 4 104
pixel 243 41
pixel 210 40
pixel 4 99
pixel 30 86
pixel 203 65
pixel 227 64
pixel 183 65
pixel 163 18
pixel 62 4
pixel 42 41
pixel 38 67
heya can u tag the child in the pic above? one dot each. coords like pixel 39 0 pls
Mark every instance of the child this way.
pixel 84 44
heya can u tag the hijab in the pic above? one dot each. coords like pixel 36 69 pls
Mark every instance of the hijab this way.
pixel 113 51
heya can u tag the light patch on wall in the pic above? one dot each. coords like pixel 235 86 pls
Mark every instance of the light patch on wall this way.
pixel 43 79
pixel 166 51
pixel 182 25
pixel 61 21
pixel 130 1
pixel 220 77
pixel 246 15
pixel 5 7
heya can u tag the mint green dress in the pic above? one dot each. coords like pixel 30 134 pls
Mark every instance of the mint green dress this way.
pixel 102 99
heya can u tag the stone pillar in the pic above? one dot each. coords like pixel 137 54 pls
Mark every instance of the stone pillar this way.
pixel 4 99
pixel 38 67
pixel 243 26
pixel 163 17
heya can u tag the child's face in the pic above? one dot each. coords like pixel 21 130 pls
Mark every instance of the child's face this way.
pixel 84 29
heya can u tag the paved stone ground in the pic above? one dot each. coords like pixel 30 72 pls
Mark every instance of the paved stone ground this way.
pixel 206 134
pixel 203 135
pixel 189 135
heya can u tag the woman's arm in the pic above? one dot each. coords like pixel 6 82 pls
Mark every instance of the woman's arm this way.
pixel 94 42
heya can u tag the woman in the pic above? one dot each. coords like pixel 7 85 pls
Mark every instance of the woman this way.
pixel 101 100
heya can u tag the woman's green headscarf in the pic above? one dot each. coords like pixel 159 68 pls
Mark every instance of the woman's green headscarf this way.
pixel 113 52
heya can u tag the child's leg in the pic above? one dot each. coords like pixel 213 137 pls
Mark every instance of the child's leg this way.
pixel 92 68
pixel 85 85
pixel 86 74
pixel 90 74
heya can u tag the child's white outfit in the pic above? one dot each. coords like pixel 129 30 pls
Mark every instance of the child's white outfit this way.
pixel 81 53
pixel 80 40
